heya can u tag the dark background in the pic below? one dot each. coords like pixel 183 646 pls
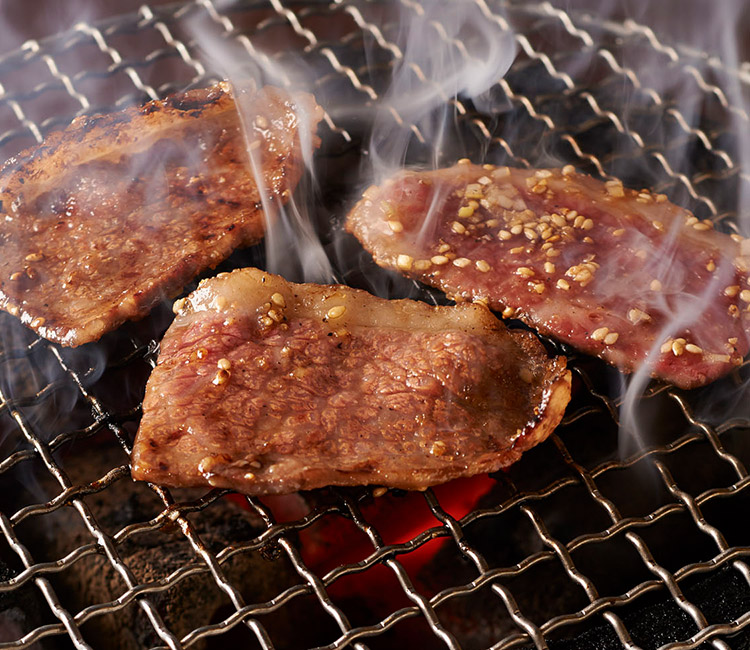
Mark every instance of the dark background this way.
pixel 695 22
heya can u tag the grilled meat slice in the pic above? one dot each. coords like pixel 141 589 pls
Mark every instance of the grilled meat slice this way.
pixel 118 211
pixel 265 386
pixel 620 274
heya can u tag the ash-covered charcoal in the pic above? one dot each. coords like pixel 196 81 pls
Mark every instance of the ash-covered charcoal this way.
pixel 117 212
pixel 20 611
pixel 270 387
pixel 657 620
pixel 618 273
pixel 152 556
pixel 541 591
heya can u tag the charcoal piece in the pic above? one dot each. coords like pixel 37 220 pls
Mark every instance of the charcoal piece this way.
pixel 20 611
pixel 186 605
pixel 722 596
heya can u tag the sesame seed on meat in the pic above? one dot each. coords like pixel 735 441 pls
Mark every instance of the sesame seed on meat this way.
pixel 573 256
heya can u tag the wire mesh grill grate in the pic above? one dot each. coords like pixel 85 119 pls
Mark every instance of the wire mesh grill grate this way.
pixel 83 551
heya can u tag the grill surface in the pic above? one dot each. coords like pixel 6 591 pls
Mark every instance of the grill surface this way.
pixel 591 541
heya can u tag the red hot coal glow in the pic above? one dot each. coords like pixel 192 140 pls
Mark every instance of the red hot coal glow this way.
pixel 398 517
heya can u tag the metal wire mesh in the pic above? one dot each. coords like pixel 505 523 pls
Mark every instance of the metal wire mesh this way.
pixel 578 540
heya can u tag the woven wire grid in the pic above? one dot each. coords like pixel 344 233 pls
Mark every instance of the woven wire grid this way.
pixel 575 516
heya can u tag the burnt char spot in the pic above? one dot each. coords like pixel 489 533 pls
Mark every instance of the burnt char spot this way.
pixel 228 202
pixel 57 201
pixel 193 105
pixel 108 120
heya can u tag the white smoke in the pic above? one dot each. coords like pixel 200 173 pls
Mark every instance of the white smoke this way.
pixel 451 52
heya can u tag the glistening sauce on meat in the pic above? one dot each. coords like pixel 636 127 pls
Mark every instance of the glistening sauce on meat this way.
pixel 119 211
pixel 265 386
pixel 621 274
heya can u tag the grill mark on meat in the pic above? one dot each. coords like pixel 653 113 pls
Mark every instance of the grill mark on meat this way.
pixel 116 212
pixel 265 386
pixel 617 273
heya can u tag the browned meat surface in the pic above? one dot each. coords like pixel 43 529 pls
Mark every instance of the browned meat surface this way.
pixel 119 211
pixel 265 386
pixel 621 274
